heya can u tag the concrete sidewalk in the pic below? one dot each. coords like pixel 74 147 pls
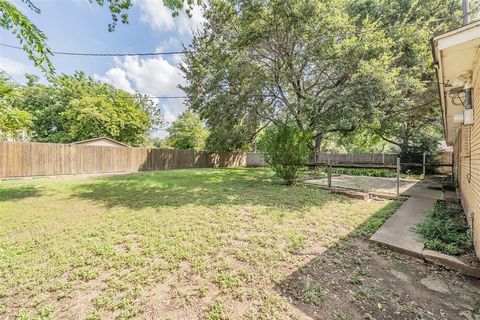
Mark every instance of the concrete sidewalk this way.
pixel 397 232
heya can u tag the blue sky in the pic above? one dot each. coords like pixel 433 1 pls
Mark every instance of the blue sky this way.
pixel 78 26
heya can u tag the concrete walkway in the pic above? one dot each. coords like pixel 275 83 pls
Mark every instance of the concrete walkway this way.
pixel 396 233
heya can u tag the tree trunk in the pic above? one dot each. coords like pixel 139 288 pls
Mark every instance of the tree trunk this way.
pixel 316 147
pixel 254 145
pixel 318 142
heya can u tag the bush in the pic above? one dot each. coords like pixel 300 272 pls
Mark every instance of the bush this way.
pixel 385 173
pixel 365 172
pixel 445 229
pixel 287 149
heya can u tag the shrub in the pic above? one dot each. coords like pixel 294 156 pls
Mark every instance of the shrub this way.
pixel 445 229
pixel 365 172
pixel 287 149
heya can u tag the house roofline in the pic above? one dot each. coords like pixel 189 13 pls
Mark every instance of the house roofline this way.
pixel 98 138
pixel 437 62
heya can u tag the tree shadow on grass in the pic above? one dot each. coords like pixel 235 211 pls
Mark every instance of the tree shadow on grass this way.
pixel 19 193
pixel 355 279
pixel 205 187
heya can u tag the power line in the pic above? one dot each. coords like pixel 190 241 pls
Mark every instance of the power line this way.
pixel 127 54
pixel 168 97
pixel 104 54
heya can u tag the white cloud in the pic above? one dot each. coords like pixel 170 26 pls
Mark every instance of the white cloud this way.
pixel 153 76
pixel 14 68
pixel 117 77
pixel 159 17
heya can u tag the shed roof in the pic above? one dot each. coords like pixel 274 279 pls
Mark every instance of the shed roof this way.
pixel 101 138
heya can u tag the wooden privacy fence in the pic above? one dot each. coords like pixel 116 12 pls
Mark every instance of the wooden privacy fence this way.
pixel 21 159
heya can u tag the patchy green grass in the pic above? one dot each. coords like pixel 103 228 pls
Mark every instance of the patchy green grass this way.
pixel 446 230
pixel 208 243
pixel 378 219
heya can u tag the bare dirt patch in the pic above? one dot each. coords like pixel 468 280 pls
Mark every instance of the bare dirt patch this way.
pixel 358 280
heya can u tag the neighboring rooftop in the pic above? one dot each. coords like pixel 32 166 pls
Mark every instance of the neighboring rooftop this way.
pixel 102 142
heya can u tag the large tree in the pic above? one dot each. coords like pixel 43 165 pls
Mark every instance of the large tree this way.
pixel 77 107
pixel 410 116
pixel 13 121
pixel 307 63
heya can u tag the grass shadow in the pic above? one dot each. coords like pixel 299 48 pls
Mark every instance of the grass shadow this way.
pixel 19 193
pixel 355 279
pixel 203 187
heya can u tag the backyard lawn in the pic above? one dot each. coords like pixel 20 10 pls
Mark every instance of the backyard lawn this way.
pixel 193 244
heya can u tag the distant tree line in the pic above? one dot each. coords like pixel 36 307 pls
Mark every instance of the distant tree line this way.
pixel 75 107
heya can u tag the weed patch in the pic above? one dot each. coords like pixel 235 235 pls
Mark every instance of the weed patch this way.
pixel 216 311
pixel 445 229
pixel 313 294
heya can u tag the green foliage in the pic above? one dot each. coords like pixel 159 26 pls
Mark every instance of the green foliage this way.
pixel 12 120
pixel 365 172
pixel 359 68
pixel 305 63
pixel 33 40
pixel 361 140
pixel 187 132
pixel 313 294
pixel 216 311
pixel 287 150
pixel 409 116
pixel 76 107
pixel 445 229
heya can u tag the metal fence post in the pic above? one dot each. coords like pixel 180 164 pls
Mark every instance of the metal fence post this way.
pixel 424 157
pixel 398 176
pixel 329 175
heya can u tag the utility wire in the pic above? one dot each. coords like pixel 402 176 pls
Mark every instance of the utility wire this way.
pixel 127 54
pixel 100 54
